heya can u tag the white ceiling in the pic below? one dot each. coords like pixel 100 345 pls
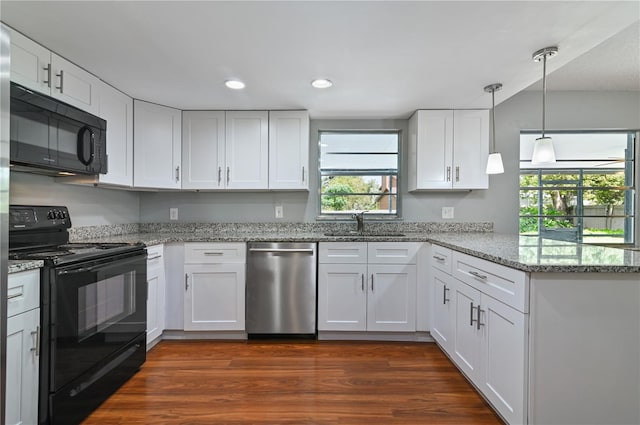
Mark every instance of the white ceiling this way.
pixel 386 58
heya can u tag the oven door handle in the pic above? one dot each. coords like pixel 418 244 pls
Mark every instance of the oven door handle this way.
pixel 104 266
pixel 75 271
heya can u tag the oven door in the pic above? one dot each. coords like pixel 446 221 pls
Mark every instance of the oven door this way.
pixel 96 309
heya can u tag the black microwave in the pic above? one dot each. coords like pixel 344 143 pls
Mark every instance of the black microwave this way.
pixel 52 137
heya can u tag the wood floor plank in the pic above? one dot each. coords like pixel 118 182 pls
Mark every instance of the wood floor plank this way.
pixel 309 382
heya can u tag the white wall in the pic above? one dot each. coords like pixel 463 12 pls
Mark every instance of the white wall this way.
pixel 88 206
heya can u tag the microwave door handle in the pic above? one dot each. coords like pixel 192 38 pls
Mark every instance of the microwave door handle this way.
pixel 81 152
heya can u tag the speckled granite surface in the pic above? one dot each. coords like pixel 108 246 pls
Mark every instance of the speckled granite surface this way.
pixel 20 266
pixel 534 254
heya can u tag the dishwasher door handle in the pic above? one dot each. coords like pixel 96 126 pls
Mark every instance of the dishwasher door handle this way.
pixel 303 250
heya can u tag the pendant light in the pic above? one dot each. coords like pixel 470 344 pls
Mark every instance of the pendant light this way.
pixel 494 161
pixel 543 151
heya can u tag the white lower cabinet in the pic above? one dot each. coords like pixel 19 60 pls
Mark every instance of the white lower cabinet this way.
pixel 155 293
pixel 486 338
pixel 23 348
pixel 358 292
pixel 214 286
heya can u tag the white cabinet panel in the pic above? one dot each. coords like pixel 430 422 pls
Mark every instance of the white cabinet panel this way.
pixel 214 297
pixel 156 287
pixel 117 109
pixel 470 149
pixel 342 253
pixel 203 150
pixel 289 150
pixel 157 147
pixel 30 63
pixel 247 150
pixel 342 297
pixel 467 341
pixel 74 85
pixel 443 309
pixel 391 304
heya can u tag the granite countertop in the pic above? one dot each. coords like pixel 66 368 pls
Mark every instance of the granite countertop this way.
pixel 526 253
pixel 21 266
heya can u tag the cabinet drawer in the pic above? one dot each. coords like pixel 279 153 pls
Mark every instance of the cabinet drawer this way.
pixel 502 283
pixel 393 252
pixel 23 292
pixel 441 258
pixel 211 253
pixel 342 252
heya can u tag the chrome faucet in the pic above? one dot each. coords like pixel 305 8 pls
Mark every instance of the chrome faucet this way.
pixel 359 220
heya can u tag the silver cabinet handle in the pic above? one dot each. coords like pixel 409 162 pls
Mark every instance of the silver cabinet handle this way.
pixel 449 173
pixel 186 281
pixel 227 176
pixel 471 319
pixel 457 173
pixel 12 296
pixel 61 86
pixel 478 275
pixel 444 295
pixel 303 173
pixel 177 173
pixel 37 335
pixel 219 175
pixel 362 281
pixel 214 253
pixel 48 69
pixel 437 257
pixel 371 282
pixel 155 257
pixel 478 321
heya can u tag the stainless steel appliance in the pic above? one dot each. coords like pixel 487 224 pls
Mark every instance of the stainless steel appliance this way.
pixel 5 59
pixel 49 136
pixel 93 312
pixel 281 288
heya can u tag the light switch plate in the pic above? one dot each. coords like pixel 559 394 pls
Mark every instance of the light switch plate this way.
pixel 447 212
pixel 173 213
pixel 279 211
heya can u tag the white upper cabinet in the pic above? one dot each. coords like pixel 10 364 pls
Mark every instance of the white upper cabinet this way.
pixel 247 150
pixel 37 68
pixel 289 150
pixel 203 150
pixel 157 147
pixel 448 149
pixel 30 63
pixel 73 85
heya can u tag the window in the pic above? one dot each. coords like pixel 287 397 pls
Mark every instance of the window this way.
pixel 587 195
pixel 359 172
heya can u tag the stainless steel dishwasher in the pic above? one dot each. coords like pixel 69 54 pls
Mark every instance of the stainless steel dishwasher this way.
pixel 281 288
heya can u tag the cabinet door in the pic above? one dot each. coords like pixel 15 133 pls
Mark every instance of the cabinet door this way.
pixel 73 85
pixel 155 293
pixel 443 309
pixel 342 297
pixel 391 303
pixel 247 150
pixel 503 356
pixel 203 145
pixel 157 148
pixel 214 297
pixel 22 368
pixel 30 63
pixel 289 150
pixel 470 149
pixel 117 109
pixel 466 337
pixel 433 152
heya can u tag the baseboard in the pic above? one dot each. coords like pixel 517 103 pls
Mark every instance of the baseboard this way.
pixel 375 336
pixel 228 335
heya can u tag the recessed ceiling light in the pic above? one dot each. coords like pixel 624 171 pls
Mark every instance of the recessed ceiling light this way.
pixel 321 83
pixel 234 84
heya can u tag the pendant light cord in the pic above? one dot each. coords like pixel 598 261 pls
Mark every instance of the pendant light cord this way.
pixel 493 121
pixel 544 90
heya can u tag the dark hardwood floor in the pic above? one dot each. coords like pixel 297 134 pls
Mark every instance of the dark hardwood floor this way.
pixel 307 382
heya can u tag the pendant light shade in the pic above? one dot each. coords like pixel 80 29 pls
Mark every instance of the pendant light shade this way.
pixel 494 162
pixel 543 151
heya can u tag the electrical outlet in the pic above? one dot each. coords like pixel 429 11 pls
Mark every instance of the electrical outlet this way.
pixel 173 213
pixel 279 211
pixel 447 212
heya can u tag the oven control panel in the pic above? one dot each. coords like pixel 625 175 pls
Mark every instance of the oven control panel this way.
pixel 25 217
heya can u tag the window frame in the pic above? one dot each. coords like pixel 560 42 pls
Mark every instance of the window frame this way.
pixel 338 216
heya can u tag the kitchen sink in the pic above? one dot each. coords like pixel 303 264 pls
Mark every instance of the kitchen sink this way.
pixel 364 234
